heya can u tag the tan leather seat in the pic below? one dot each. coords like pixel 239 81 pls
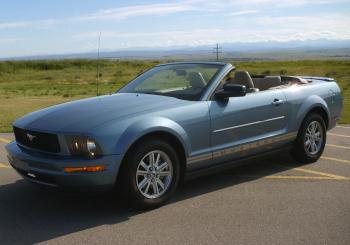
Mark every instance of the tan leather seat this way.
pixel 243 78
pixel 258 81
pixel 270 82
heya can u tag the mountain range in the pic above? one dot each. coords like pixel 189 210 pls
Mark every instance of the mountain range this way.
pixel 274 50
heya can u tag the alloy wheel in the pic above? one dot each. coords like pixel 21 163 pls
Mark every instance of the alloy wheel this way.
pixel 313 138
pixel 154 174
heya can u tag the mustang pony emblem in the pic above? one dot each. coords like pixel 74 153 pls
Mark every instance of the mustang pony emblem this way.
pixel 30 137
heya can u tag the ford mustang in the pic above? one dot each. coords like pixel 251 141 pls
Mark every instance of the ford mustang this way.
pixel 173 122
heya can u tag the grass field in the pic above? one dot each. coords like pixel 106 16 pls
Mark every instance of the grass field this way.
pixel 29 85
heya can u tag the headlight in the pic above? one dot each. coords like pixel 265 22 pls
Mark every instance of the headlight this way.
pixel 83 146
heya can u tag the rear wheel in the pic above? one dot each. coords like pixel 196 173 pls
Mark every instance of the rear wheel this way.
pixel 311 139
pixel 150 174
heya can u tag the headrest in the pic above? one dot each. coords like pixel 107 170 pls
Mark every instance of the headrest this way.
pixel 271 81
pixel 243 78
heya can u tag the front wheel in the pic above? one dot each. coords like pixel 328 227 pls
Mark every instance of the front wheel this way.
pixel 311 139
pixel 150 173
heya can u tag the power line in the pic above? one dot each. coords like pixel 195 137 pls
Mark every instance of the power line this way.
pixel 217 51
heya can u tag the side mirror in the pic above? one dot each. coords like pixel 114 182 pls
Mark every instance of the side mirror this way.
pixel 231 90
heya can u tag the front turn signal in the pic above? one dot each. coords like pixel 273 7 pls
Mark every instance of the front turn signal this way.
pixel 84 169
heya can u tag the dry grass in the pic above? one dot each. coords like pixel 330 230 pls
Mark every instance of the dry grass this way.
pixel 26 86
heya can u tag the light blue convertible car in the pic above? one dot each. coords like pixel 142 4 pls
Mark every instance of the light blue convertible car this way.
pixel 172 122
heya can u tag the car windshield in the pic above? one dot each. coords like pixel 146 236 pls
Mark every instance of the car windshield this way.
pixel 183 81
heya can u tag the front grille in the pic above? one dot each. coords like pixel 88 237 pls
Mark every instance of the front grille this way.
pixel 37 140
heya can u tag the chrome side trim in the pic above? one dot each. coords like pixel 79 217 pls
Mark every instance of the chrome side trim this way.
pixel 253 145
pixel 243 147
pixel 248 124
pixel 199 158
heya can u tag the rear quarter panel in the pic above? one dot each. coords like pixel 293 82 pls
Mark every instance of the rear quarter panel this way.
pixel 301 99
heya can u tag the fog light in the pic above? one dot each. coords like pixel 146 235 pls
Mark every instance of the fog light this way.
pixel 84 169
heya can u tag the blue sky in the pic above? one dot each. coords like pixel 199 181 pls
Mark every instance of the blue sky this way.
pixel 55 27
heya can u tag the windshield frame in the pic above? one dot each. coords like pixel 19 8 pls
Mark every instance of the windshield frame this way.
pixel 199 97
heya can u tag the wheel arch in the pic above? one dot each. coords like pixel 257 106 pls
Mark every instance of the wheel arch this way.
pixel 322 112
pixel 165 129
pixel 167 137
pixel 313 104
pixel 299 152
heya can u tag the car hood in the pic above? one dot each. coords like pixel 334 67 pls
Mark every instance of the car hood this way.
pixel 81 115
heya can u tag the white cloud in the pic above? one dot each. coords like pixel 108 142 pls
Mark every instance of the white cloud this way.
pixel 275 3
pixel 48 22
pixel 24 24
pixel 244 12
pixel 18 24
pixel 253 29
pixel 239 8
pixel 208 21
pixel 139 10
pixel 205 7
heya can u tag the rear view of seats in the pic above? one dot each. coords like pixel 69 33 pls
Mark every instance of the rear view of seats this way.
pixel 243 78
pixel 267 82
pixel 255 84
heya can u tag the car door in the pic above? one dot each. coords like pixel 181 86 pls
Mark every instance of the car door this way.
pixel 242 126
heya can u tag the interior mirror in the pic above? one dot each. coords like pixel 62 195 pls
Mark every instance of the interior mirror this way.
pixel 231 90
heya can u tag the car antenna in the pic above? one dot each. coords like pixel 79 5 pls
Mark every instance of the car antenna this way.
pixel 98 64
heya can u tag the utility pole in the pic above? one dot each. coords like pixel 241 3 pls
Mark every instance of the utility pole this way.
pixel 217 51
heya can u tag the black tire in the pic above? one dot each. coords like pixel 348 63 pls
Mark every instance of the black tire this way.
pixel 128 180
pixel 301 151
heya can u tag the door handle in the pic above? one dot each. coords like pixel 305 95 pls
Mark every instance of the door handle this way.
pixel 277 102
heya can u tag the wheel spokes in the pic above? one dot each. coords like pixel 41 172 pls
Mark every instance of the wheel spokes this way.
pixel 157 160
pixel 143 183
pixel 164 173
pixel 309 148
pixel 154 174
pixel 313 147
pixel 318 136
pixel 147 187
pixel 155 187
pixel 151 159
pixel 313 137
pixel 142 172
pixel 144 165
pixel 160 184
pixel 163 166
pixel 313 127
pixel 308 131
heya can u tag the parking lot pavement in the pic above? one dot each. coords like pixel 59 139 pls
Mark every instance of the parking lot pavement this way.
pixel 270 201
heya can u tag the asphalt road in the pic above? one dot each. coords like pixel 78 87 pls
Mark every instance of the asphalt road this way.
pixel 271 201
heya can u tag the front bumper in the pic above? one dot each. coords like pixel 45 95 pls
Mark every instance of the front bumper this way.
pixel 48 170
